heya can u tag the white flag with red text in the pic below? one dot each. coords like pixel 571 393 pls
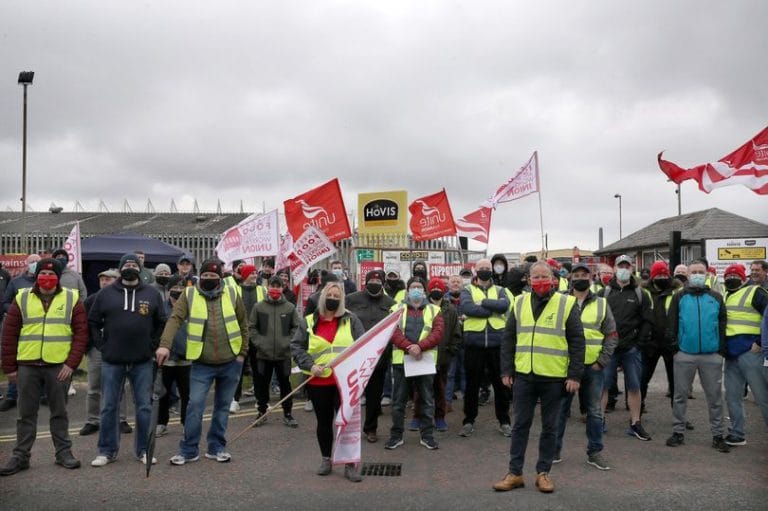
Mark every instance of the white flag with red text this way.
pixel 525 182
pixel 312 247
pixel 353 368
pixel 256 235
pixel 74 249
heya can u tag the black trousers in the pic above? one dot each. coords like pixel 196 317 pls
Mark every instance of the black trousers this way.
pixel 649 367
pixel 373 393
pixel 476 360
pixel 262 376
pixel 325 400
pixel 180 376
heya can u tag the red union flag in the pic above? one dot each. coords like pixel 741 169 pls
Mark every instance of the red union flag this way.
pixel 747 165
pixel 353 369
pixel 525 182
pixel 475 225
pixel 322 207
pixel 431 217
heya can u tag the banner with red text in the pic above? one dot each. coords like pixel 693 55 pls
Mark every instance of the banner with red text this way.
pixel 312 247
pixel 353 369
pixel 73 246
pixel 525 182
pixel 257 235
pixel 365 267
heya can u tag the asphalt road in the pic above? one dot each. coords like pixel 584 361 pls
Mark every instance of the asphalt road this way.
pixel 273 468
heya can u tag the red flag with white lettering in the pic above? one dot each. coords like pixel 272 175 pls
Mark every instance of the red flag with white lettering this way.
pixel 747 165
pixel 475 225
pixel 322 207
pixel 431 217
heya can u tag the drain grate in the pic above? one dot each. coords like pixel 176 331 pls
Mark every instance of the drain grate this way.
pixel 382 469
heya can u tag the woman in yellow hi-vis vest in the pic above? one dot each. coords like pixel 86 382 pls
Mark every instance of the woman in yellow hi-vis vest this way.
pixel 320 338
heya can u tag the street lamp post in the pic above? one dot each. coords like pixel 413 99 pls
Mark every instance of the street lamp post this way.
pixel 618 196
pixel 25 79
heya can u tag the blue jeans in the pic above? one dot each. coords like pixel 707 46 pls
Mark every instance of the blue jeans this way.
pixel 747 368
pixel 525 394
pixel 456 375
pixel 112 382
pixel 632 363
pixel 592 384
pixel 12 392
pixel 201 378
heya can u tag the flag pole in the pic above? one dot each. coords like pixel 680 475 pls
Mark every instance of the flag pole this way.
pixel 538 188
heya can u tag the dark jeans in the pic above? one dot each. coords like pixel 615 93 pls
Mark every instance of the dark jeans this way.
pixel 180 376
pixel 649 367
pixel 262 375
pixel 476 360
pixel 326 401
pixel 525 394
pixel 438 389
pixel 374 391
pixel 592 384
pixel 31 382
pixel 400 391
pixel 239 388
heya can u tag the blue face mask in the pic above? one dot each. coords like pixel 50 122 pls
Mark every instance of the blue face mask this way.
pixel 623 274
pixel 563 273
pixel 697 280
pixel 416 294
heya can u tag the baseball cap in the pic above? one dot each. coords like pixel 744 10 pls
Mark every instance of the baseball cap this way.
pixel 580 266
pixel 624 259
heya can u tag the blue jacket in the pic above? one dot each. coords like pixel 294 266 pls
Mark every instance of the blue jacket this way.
pixel 697 319
pixel 491 337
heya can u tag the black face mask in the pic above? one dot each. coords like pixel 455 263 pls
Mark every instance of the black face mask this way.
pixel 265 275
pixel 162 280
pixel 662 283
pixel 580 284
pixel 484 274
pixel 332 304
pixel 732 284
pixel 420 273
pixel 435 295
pixel 682 278
pixel 175 294
pixel 373 288
pixel 129 274
pixel 209 284
pixel 390 284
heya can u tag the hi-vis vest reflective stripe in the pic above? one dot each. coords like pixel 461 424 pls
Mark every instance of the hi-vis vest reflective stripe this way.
pixel 324 352
pixel 430 311
pixel 45 336
pixel 596 288
pixel 497 321
pixel 742 317
pixel 592 317
pixel 541 345
pixel 198 315
pixel 261 292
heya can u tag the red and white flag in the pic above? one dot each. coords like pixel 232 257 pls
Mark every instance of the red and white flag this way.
pixel 286 247
pixel 475 225
pixel 747 165
pixel 525 182
pixel 312 247
pixel 353 368
pixel 431 217
pixel 257 235
pixel 322 207
pixel 73 247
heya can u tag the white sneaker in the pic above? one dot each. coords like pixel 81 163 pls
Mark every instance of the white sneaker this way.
pixel 221 456
pixel 161 430
pixel 179 459
pixel 385 401
pixel 101 461
pixel 72 391
pixel 308 406
pixel 234 407
pixel 143 459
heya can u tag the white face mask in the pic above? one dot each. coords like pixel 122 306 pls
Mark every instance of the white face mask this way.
pixel 466 282
pixel 623 274
pixel 499 269
pixel 32 267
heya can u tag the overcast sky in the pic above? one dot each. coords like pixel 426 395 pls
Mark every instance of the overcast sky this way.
pixel 259 101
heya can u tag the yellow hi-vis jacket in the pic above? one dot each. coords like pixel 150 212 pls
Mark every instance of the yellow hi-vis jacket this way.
pixel 198 315
pixel 592 317
pixel 45 336
pixel 742 318
pixel 324 352
pixel 497 321
pixel 430 311
pixel 542 348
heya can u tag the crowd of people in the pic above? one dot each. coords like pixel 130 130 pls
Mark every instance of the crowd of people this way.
pixel 539 334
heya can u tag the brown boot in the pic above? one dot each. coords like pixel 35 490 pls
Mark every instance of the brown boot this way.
pixel 544 483
pixel 510 482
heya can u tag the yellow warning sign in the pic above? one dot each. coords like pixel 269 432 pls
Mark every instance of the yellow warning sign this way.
pixel 740 253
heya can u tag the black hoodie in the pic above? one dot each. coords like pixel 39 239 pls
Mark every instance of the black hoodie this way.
pixel 126 322
pixel 500 279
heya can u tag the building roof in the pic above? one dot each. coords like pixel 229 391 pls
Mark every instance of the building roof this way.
pixel 95 223
pixel 707 224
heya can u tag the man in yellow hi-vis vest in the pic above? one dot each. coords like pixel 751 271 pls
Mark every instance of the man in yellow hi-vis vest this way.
pixel 418 335
pixel 600 341
pixel 542 356
pixel 44 338
pixel 217 344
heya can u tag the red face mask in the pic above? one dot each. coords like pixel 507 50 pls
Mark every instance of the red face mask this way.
pixel 47 282
pixel 605 279
pixel 541 287
pixel 275 293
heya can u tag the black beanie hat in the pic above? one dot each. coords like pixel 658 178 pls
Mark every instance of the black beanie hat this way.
pixel 416 279
pixel 48 264
pixel 130 256
pixel 211 265
pixel 375 274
